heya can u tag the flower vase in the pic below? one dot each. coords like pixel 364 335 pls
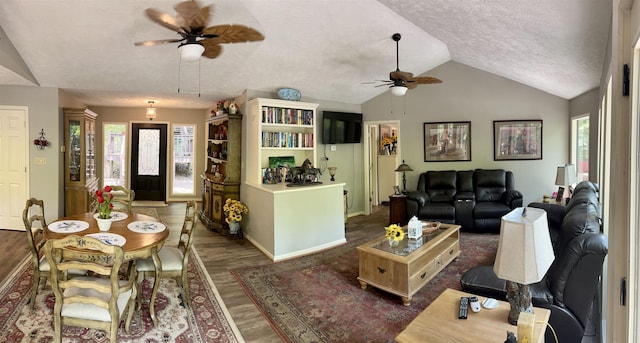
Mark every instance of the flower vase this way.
pixel 234 228
pixel 393 243
pixel 104 224
pixel 387 149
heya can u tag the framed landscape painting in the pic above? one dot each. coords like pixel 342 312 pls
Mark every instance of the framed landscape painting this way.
pixel 447 141
pixel 517 140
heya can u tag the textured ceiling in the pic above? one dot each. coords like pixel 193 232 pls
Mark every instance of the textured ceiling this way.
pixel 324 48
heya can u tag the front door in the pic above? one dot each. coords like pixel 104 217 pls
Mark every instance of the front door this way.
pixel 149 161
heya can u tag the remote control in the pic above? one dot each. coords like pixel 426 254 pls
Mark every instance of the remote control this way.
pixel 475 304
pixel 464 308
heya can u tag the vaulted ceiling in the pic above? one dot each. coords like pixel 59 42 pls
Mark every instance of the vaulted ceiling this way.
pixel 326 48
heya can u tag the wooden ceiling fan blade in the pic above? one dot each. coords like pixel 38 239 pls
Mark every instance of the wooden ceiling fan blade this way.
pixel 423 80
pixel 157 42
pixel 166 20
pixel 233 34
pixel 400 75
pixel 211 48
pixel 411 84
pixel 194 16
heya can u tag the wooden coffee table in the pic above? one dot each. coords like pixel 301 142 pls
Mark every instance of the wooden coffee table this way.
pixel 404 269
pixel 439 323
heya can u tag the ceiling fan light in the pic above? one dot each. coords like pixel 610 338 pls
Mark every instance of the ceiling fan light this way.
pixel 398 90
pixel 191 52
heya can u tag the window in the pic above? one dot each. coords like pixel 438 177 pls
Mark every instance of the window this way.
pixel 580 146
pixel 115 153
pixel 182 161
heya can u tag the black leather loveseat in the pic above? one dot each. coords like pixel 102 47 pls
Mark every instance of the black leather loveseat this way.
pixel 573 280
pixel 474 199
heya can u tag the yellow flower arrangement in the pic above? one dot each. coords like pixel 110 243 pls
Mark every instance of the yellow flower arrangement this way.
pixel 394 232
pixel 388 140
pixel 234 210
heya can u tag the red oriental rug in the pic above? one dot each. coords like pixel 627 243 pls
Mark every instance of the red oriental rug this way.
pixel 317 298
pixel 207 321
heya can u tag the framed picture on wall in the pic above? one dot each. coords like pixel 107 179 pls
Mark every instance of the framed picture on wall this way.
pixel 447 141
pixel 517 140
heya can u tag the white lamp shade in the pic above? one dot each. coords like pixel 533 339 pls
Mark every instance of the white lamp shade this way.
pixel 525 252
pixel 191 52
pixel 151 113
pixel 398 90
pixel 566 175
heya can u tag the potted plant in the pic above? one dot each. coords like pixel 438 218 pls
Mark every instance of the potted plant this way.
pixel 104 208
pixel 234 211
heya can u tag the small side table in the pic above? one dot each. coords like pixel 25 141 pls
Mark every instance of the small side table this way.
pixel 398 209
pixel 439 323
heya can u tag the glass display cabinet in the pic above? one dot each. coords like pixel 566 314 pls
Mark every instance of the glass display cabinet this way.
pixel 80 181
pixel 221 179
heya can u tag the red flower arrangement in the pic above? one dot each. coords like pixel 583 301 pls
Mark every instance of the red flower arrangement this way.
pixel 104 202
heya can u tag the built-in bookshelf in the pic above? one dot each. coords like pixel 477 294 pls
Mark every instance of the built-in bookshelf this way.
pixel 279 128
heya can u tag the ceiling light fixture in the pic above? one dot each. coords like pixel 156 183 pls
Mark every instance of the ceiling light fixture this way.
pixel 190 52
pixel 151 111
pixel 398 90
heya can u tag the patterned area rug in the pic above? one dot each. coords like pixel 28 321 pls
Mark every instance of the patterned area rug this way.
pixel 317 298
pixel 207 321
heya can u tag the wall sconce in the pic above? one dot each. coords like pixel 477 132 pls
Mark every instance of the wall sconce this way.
pixel 41 142
pixel 332 172
pixel 151 111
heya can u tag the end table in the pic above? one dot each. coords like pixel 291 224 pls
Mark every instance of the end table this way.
pixel 398 209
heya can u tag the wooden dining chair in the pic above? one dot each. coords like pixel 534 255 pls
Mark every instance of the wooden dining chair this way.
pixel 98 301
pixel 33 213
pixel 174 259
pixel 123 196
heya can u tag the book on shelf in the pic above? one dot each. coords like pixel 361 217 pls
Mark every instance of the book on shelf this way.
pixel 289 116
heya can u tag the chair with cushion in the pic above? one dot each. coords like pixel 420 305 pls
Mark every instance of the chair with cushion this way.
pixel 174 259
pixel 34 213
pixel 571 286
pixel 122 197
pixel 98 301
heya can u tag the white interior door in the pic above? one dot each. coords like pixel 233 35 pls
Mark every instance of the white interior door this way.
pixel 14 154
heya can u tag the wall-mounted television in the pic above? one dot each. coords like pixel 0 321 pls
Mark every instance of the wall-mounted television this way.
pixel 341 127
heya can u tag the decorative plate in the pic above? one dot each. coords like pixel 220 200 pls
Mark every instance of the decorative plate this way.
pixel 289 94
pixel 146 226
pixel 115 216
pixel 68 226
pixel 109 238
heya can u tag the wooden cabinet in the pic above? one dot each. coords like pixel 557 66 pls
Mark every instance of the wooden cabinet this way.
pixel 282 129
pixel 221 178
pixel 80 179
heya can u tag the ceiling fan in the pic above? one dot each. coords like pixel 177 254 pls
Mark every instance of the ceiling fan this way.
pixel 197 39
pixel 399 81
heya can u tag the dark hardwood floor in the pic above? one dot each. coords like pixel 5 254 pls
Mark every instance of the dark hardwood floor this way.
pixel 219 254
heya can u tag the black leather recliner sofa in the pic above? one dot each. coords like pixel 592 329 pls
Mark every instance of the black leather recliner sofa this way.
pixel 573 280
pixel 474 199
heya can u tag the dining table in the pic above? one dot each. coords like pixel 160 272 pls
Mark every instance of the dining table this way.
pixel 139 235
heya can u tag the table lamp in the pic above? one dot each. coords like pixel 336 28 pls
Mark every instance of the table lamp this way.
pixel 404 168
pixel 524 255
pixel 332 172
pixel 565 176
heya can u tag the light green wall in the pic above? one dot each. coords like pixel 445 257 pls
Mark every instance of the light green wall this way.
pixel 469 94
pixel 44 180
